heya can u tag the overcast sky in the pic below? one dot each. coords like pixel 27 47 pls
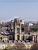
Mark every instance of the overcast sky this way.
pixel 25 9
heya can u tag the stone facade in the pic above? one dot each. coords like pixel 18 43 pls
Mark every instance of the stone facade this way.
pixel 20 30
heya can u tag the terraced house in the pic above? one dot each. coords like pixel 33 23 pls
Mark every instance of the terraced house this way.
pixel 18 30
pixel 21 30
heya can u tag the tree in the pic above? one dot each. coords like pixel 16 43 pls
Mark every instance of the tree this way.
pixel 34 47
pixel 16 47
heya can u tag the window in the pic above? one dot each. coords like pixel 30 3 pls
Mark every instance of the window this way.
pixel 23 37
pixel 22 29
pixel 18 30
pixel 18 37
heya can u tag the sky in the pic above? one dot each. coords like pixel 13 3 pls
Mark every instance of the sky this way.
pixel 24 9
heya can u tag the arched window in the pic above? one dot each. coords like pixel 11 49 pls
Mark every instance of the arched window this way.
pixel 18 37
pixel 23 37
